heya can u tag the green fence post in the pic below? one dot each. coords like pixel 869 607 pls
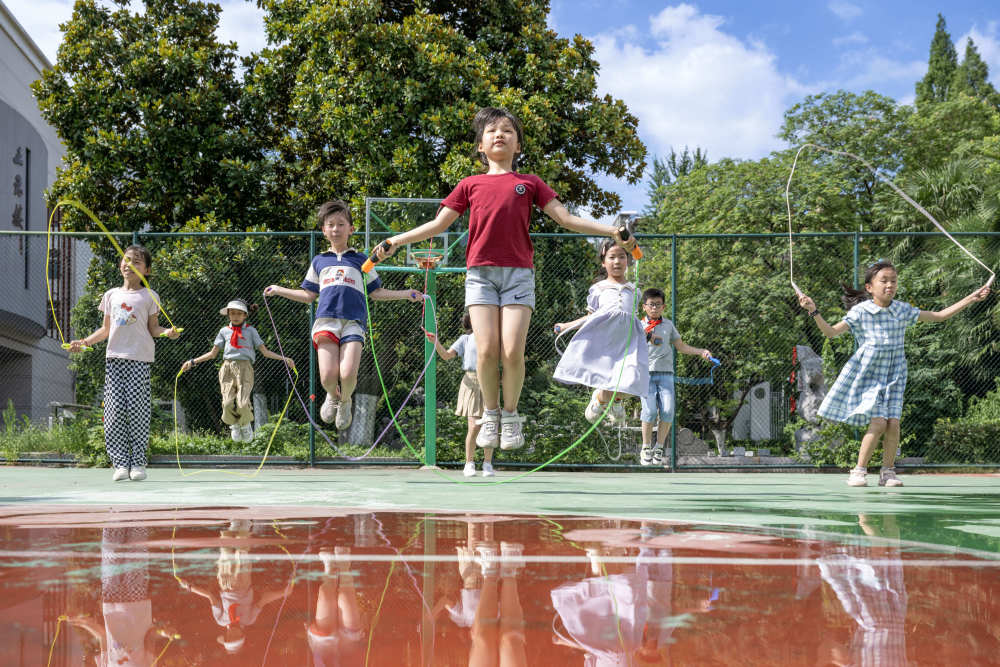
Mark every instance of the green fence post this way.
pixel 673 318
pixel 312 365
pixel 430 379
pixel 857 241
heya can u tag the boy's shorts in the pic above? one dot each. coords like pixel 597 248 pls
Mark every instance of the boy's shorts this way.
pixel 659 400
pixel 338 330
pixel 500 286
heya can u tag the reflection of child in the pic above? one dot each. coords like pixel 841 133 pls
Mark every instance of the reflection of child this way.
pixel 336 635
pixel 236 372
pixel 602 355
pixel 470 396
pixel 235 608
pixel 127 636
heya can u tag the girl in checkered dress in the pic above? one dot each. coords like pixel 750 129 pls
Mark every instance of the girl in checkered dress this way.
pixel 131 314
pixel 871 384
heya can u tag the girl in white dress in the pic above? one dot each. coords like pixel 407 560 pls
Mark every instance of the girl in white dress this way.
pixel 609 351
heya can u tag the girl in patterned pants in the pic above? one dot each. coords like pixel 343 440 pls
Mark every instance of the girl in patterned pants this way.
pixel 870 386
pixel 131 314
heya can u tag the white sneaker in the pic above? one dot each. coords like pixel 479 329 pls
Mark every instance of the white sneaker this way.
pixel 512 558
pixel 137 474
pixel 858 477
pixel 594 409
pixel 488 469
pixel 887 477
pixel 247 432
pixel 489 433
pixel 236 432
pixel 657 456
pixel 646 455
pixel 120 474
pixel 469 470
pixel 511 436
pixel 344 416
pixel 488 561
pixel 328 411
pixel 617 412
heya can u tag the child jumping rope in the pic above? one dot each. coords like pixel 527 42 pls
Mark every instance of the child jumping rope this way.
pixel 871 384
pixel 470 396
pixel 500 278
pixel 130 325
pixel 338 332
pixel 238 340
pixel 658 402
pixel 602 355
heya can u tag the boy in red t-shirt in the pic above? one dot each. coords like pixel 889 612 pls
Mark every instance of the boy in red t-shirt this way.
pixel 500 274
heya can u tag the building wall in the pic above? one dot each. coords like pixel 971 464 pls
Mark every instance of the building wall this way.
pixel 33 367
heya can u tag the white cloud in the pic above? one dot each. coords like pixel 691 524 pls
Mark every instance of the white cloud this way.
pixel 696 85
pixel 988 45
pixel 844 10
pixel 864 69
pixel 852 39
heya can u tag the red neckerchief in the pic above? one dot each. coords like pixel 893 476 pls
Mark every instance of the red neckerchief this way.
pixel 234 340
pixel 652 324
pixel 234 618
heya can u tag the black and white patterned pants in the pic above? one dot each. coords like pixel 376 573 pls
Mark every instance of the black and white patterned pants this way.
pixel 124 574
pixel 127 406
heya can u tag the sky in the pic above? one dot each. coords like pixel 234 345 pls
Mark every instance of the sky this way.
pixel 715 74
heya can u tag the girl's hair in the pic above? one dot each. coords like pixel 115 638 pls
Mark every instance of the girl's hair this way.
pixel 333 207
pixel 467 322
pixel 488 115
pixel 252 309
pixel 605 249
pixel 853 297
pixel 143 252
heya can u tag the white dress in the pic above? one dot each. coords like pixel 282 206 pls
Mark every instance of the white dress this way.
pixel 603 354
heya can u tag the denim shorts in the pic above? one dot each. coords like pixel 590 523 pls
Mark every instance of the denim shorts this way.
pixel 500 286
pixel 659 400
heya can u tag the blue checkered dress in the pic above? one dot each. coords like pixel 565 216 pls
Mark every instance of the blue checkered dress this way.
pixel 872 382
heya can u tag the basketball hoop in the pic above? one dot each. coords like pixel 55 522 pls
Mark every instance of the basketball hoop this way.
pixel 426 258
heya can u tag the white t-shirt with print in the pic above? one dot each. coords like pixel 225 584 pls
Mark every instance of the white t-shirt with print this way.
pixel 129 312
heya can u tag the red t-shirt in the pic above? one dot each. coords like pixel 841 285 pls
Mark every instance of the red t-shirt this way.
pixel 499 212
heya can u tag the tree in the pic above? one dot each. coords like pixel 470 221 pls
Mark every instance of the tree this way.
pixel 372 98
pixel 936 84
pixel 667 171
pixel 147 105
pixel 972 77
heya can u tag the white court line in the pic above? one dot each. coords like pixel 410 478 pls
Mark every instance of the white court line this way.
pixel 447 558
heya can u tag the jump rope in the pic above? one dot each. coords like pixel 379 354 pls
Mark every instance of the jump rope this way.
pixel 66 346
pixel 884 179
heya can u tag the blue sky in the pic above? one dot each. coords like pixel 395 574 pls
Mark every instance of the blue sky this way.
pixel 716 74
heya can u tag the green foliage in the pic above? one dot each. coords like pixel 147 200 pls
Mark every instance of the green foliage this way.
pixel 836 443
pixel 965 441
pixel 986 409
pixel 936 84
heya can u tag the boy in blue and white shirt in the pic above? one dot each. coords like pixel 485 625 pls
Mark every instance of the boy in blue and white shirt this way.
pixel 338 332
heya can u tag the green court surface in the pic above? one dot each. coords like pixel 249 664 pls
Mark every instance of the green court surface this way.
pixel 948 510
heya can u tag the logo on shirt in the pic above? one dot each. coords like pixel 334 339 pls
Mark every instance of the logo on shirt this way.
pixel 122 315
pixel 339 278
pixel 520 188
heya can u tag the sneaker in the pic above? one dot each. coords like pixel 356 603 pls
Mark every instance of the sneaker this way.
pixel 887 477
pixel 120 474
pixel 247 432
pixel 236 432
pixel 594 409
pixel 617 412
pixel 488 469
pixel 489 434
pixel 646 456
pixel 512 558
pixel 328 411
pixel 344 416
pixel 511 436
pixel 488 560
pixel 137 474
pixel 657 456
pixel 858 477
pixel 469 470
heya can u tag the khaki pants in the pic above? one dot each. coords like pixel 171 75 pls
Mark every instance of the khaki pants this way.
pixel 236 380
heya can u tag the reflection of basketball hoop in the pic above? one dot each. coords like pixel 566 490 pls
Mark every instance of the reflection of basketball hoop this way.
pixel 426 258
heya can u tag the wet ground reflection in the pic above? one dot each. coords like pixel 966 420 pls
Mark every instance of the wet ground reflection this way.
pixel 280 586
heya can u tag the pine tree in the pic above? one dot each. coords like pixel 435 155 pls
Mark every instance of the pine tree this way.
pixel 972 77
pixel 940 69
pixel 667 171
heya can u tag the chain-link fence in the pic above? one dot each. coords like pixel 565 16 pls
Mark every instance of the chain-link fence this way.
pixel 727 293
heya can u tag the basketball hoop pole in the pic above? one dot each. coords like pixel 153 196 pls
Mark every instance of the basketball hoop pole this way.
pixel 430 378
